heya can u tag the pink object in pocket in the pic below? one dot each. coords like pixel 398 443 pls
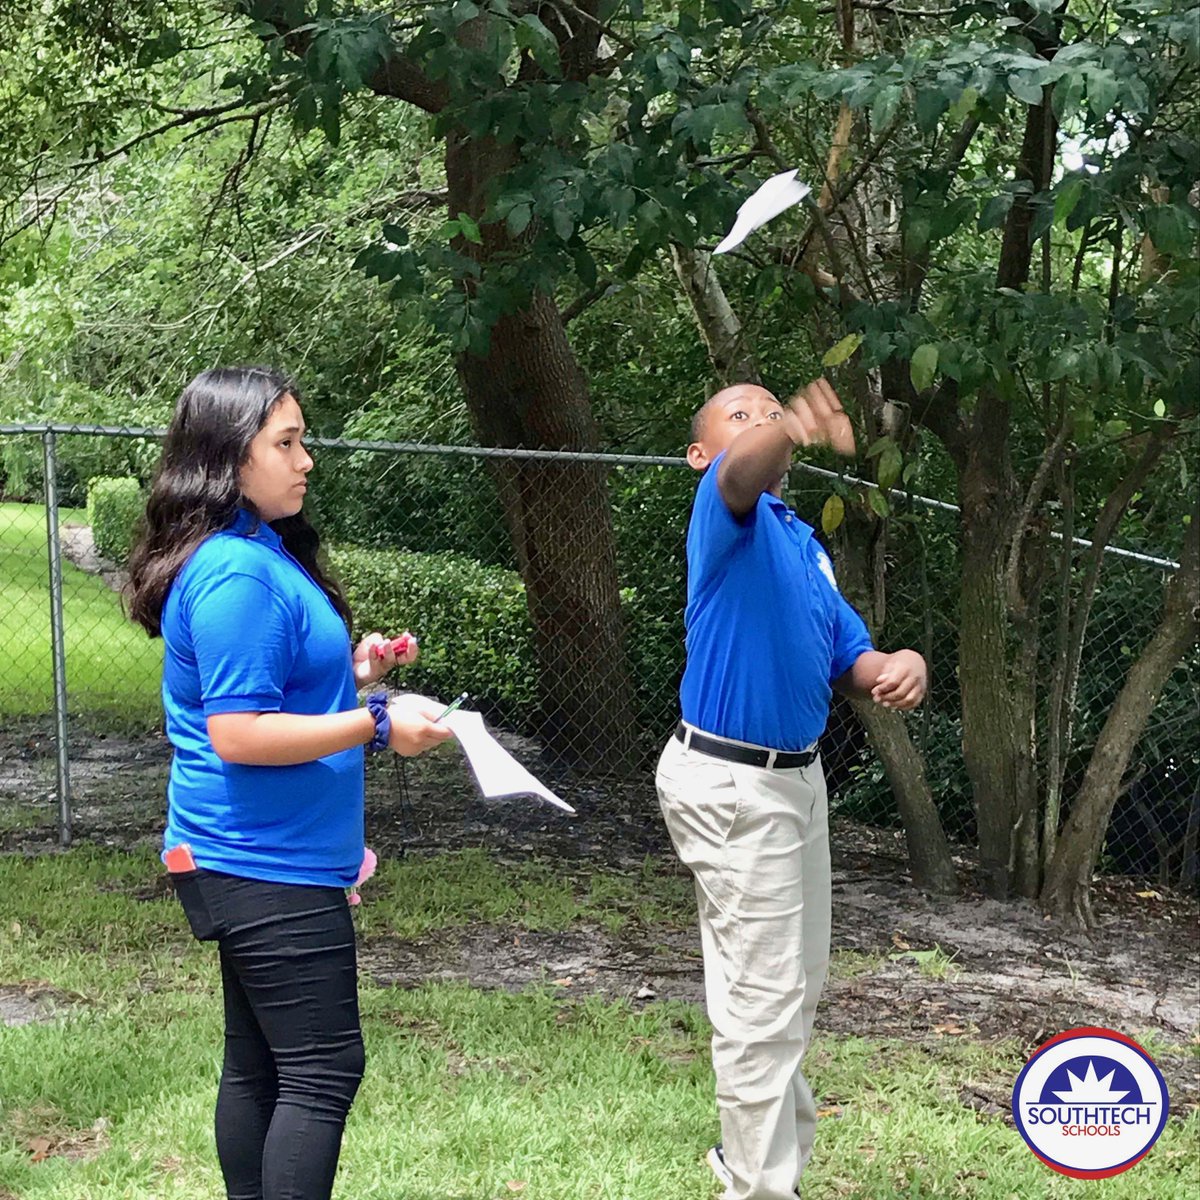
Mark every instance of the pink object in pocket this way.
pixel 369 863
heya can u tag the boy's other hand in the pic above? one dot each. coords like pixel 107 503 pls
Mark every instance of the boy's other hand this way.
pixel 902 682
pixel 815 417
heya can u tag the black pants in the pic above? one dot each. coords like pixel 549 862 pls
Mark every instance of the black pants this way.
pixel 293 1042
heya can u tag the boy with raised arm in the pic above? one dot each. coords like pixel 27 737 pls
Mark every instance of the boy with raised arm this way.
pixel 769 637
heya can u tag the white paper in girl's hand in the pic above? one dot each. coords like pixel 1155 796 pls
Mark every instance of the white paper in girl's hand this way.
pixel 780 192
pixel 496 771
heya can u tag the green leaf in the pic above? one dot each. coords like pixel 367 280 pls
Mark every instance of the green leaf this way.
pixel 305 112
pixel 533 36
pixel 1102 90
pixel 331 124
pixel 878 503
pixel 923 367
pixel 1067 96
pixel 519 217
pixel 1066 199
pixel 837 354
pixel 585 265
pixel 1025 87
pixel 622 201
pixel 469 229
pixel 995 211
pixel 891 462
pixel 563 222
pixel 1169 229
pixel 962 108
pixel 949 216
pixel 931 103
pixel 884 107
pixel 1062 365
pixel 879 445
pixel 1160 408
pixel 832 514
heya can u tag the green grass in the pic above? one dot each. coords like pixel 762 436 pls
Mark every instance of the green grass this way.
pixel 469 1095
pixel 113 669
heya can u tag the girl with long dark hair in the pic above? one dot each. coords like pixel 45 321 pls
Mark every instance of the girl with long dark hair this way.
pixel 265 797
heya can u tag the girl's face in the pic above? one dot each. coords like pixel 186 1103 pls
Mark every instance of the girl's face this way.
pixel 274 477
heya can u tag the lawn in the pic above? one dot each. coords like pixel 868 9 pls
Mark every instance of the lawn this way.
pixel 470 1095
pixel 113 669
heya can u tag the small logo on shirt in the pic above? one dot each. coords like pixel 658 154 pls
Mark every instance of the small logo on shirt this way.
pixel 827 568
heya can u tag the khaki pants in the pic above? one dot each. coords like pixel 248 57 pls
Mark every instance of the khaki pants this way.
pixel 757 842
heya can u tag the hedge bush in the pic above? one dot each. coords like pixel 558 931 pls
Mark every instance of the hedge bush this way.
pixel 471 620
pixel 476 635
pixel 114 507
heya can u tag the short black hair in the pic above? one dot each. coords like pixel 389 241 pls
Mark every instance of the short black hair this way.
pixel 698 420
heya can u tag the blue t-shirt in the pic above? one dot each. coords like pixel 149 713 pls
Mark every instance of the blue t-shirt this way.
pixel 247 629
pixel 767 628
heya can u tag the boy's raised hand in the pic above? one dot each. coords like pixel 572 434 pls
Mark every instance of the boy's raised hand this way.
pixel 815 417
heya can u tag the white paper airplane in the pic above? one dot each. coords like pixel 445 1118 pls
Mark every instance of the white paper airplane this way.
pixel 778 193
pixel 496 771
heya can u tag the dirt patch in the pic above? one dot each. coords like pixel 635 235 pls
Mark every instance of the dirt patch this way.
pixel 1010 974
pixel 42 1133
pixel 26 1003
pixel 996 971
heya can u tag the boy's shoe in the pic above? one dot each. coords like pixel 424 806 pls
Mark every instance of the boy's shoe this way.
pixel 716 1160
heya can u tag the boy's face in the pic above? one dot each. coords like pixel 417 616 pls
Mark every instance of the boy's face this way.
pixel 728 415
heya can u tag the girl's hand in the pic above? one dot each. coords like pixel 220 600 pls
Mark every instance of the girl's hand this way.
pixel 902 682
pixel 374 657
pixel 414 729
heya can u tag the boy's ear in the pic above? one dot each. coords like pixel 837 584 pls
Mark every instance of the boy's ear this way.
pixel 697 456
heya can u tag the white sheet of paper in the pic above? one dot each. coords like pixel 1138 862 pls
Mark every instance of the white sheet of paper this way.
pixel 496 771
pixel 780 192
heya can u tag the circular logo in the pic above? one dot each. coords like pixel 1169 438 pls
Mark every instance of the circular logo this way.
pixel 1090 1103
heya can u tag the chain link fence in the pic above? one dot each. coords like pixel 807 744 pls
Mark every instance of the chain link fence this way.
pixel 551 588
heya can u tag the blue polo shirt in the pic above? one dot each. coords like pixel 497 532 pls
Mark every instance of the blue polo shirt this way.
pixel 246 629
pixel 767 629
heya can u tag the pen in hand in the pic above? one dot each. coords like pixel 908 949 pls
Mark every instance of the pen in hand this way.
pixel 450 708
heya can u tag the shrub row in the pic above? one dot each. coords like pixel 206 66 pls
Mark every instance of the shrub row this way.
pixel 471 620
pixel 476 634
pixel 114 507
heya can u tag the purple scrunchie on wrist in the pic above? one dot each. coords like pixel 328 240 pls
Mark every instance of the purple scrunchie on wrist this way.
pixel 377 703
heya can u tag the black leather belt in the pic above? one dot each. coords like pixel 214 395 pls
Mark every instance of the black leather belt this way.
pixel 748 755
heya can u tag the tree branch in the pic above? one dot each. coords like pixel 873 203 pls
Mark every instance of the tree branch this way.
pixel 887 7
pixel 187 117
pixel 402 79
pixel 1033 497
pixel 581 303
pixel 854 178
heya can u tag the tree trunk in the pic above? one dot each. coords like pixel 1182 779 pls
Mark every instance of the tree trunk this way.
pixel 997 707
pixel 928 849
pixel 991 749
pixel 1027 859
pixel 529 391
pixel 716 320
pixel 1067 892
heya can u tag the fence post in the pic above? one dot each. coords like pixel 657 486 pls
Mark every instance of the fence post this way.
pixel 58 641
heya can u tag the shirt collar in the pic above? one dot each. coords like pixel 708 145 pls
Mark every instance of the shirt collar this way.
pixel 247 524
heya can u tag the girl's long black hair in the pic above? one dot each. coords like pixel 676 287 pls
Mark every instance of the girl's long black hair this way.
pixel 196 493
